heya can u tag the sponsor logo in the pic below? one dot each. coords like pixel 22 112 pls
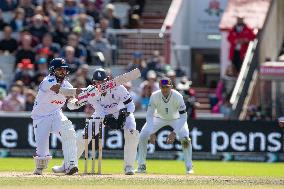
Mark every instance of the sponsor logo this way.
pixel 214 8
pixel 57 102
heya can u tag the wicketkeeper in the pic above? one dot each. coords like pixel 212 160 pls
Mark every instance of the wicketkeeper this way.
pixel 115 108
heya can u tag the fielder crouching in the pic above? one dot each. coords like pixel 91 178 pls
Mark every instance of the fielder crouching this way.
pixel 115 107
pixel 166 107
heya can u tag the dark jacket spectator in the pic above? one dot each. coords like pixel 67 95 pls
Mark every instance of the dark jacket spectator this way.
pixel 18 23
pixel 37 28
pixel 8 5
pixel 114 22
pixel 26 51
pixel 8 43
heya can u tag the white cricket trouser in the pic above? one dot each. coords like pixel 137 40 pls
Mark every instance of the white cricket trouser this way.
pixel 42 129
pixel 147 130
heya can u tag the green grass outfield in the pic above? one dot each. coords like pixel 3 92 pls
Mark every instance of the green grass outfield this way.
pixel 16 173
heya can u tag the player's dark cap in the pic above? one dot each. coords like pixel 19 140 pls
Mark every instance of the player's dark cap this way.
pixel 57 63
pixel 165 82
pixel 99 75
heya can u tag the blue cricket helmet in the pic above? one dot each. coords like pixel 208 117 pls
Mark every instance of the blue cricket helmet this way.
pixel 57 63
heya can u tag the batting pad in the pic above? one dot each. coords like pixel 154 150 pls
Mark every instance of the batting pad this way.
pixel 130 146
pixel 68 139
pixel 187 151
pixel 42 162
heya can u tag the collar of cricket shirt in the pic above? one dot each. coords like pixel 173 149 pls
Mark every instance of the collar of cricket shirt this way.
pixel 167 99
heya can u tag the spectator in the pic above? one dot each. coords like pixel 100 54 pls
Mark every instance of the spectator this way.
pixel 14 101
pixel 230 79
pixel 226 108
pixel 133 94
pixel 155 62
pixel 72 61
pixel 28 7
pixel 3 83
pixel 83 72
pixel 71 9
pixel 172 75
pixel 134 22
pixel 42 71
pixel 104 25
pixel 7 7
pixel 189 96
pixel 2 22
pixel 18 23
pixel 100 44
pixel 151 81
pixel 239 37
pixel 80 50
pixel 145 96
pixel 92 11
pixel 8 44
pixel 23 33
pixel 138 62
pixel 60 32
pixel 137 6
pixel 3 95
pixel 59 13
pixel 47 43
pixel 25 72
pixel 84 27
pixel 37 28
pixel 26 51
pixel 49 8
pixel 30 98
pixel 42 66
pixel 114 22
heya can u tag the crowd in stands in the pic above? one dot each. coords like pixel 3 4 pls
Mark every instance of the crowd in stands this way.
pixel 36 31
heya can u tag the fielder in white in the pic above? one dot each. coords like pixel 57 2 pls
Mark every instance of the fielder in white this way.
pixel 166 107
pixel 115 108
pixel 48 118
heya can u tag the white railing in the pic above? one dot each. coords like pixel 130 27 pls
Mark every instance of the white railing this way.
pixel 234 100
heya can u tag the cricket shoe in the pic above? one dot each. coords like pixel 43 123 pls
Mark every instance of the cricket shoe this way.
pixel 38 171
pixel 58 169
pixel 128 170
pixel 189 170
pixel 71 170
pixel 141 169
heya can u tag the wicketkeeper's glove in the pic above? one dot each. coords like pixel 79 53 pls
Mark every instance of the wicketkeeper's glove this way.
pixel 122 117
pixel 111 122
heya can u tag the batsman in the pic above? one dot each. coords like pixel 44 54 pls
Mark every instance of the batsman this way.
pixel 115 109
